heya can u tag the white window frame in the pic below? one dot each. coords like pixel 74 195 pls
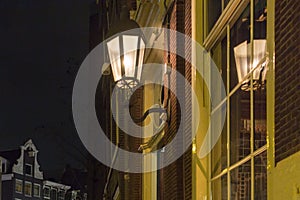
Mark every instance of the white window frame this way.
pixel 20 181
pixel 28 195
pixel 49 192
pixel 39 195
pixel 54 189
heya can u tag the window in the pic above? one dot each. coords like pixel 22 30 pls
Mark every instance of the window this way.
pixel 28 189
pixel 46 192
pixel 61 195
pixel 19 186
pixel 36 190
pixel 214 10
pixel 53 194
pixel 28 169
pixel 3 168
pixel 239 157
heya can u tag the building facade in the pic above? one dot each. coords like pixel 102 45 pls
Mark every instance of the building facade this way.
pixel 22 177
pixel 53 190
pixel 256 155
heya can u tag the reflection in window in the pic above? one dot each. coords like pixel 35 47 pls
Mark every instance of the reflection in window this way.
pixel 240 115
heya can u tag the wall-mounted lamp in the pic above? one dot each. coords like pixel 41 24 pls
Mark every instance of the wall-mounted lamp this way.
pixel 126 53
pixel 242 54
pixel 126 48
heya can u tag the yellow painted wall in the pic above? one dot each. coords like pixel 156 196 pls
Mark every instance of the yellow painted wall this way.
pixel 285 179
pixel 150 179
pixel 200 166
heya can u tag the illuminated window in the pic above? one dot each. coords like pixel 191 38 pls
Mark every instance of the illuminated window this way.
pixel 239 157
pixel 36 190
pixel 28 189
pixel 19 186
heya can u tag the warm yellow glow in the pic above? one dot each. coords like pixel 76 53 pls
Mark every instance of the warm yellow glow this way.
pixel 242 54
pixel 127 62
pixel 194 149
pixel 114 56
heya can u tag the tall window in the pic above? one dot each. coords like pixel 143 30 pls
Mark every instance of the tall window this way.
pixel 28 189
pixel 19 186
pixel 215 9
pixel 36 190
pixel 46 192
pixel 238 160
pixel 53 194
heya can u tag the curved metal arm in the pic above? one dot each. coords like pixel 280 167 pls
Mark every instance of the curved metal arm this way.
pixel 154 138
pixel 151 110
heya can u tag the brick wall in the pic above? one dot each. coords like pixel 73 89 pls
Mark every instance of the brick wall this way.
pixel 173 174
pixel 187 159
pixel 131 183
pixel 176 179
pixel 287 78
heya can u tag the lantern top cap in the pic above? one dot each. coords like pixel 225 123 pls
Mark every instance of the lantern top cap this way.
pixel 129 26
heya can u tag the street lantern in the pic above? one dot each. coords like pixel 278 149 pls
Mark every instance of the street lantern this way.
pixel 126 50
pixel 242 54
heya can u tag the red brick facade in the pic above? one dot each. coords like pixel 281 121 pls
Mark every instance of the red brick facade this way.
pixel 176 179
pixel 287 81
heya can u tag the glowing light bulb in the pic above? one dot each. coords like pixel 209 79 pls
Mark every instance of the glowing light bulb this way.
pixel 127 61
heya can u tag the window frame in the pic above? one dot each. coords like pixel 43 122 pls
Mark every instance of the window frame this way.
pixel 56 190
pixel 20 181
pixel 49 189
pixel 221 28
pixel 39 186
pixel 30 184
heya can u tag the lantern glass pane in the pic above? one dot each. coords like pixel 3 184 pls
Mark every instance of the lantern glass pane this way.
pixel 141 58
pixel 259 53
pixel 241 60
pixel 130 44
pixel 242 55
pixel 114 56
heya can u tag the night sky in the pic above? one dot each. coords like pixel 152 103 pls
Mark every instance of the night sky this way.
pixel 42 46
